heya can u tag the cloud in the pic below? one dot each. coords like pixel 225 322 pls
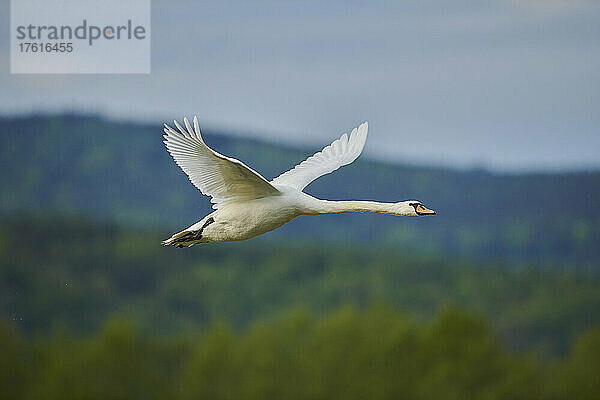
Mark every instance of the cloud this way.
pixel 483 81
pixel 552 7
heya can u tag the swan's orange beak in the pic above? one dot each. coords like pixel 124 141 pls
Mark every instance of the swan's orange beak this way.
pixel 422 210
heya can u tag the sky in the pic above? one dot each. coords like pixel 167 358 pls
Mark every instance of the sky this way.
pixel 509 85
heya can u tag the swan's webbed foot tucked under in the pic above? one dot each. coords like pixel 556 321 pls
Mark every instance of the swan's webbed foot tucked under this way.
pixel 187 238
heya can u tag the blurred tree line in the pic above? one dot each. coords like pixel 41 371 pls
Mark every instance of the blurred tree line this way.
pixel 376 353
pixel 75 273
pixel 121 171
pixel 99 310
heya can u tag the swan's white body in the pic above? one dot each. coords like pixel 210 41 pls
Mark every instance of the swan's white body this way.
pixel 247 205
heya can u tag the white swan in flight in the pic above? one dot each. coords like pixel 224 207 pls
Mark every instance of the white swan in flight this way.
pixel 247 205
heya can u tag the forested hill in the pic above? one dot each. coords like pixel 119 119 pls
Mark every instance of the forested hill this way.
pixel 79 165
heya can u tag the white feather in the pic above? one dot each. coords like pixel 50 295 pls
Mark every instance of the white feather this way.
pixel 246 204
pixel 223 178
pixel 342 151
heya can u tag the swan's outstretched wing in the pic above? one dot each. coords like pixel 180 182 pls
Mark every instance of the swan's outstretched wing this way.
pixel 341 152
pixel 223 178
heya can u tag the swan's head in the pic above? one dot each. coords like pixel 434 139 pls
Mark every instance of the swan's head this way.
pixel 413 208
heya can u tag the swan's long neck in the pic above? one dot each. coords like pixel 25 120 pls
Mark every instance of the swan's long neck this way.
pixel 335 207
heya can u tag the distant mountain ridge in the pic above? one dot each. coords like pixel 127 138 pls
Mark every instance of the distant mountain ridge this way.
pixel 70 164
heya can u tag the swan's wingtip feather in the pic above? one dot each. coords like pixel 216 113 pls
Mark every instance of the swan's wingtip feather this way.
pixel 188 127
pixel 197 129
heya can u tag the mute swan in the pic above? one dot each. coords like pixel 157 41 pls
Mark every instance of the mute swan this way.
pixel 247 205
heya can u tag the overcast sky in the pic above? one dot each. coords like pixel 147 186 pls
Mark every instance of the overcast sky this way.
pixel 503 84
